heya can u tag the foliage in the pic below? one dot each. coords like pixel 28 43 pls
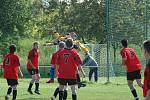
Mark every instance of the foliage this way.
pixel 28 18
pixel 13 17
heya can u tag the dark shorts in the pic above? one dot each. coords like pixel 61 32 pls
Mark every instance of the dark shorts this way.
pixel 33 71
pixel 62 81
pixel 12 82
pixel 134 75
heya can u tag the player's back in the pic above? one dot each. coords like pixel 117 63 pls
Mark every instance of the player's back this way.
pixel 10 60
pixel 132 61
pixel 54 57
pixel 68 60
pixel 11 63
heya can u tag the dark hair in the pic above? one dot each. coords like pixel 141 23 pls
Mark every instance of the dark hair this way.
pixel 61 44
pixel 69 43
pixel 12 48
pixel 146 45
pixel 35 43
pixel 124 43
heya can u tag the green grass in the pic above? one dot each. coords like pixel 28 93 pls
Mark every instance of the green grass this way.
pixel 117 90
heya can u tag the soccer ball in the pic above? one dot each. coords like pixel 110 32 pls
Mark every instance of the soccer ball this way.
pixel 45 4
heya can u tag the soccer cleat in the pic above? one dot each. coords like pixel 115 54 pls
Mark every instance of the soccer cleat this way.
pixel 81 85
pixel 30 91
pixel 53 98
pixel 50 81
pixel 37 92
pixel 6 97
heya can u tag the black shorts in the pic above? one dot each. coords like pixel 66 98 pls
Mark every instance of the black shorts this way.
pixel 134 75
pixel 62 81
pixel 33 71
pixel 12 82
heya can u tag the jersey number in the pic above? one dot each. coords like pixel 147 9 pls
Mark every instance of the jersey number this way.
pixel 132 54
pixel 7 61
pixel 66 57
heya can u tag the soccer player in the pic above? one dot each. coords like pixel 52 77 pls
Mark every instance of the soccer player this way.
pixel 33 68
pixel 11 66
pixel 146 88
pixel 53 63
pixel 90 61
pixel 68 61
pixel 132 65
pixel 57 38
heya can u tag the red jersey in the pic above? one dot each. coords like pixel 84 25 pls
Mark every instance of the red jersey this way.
pixel 132 61
pixel 10 64
pixel 146 79
pixel 68 61
pixel 33 55
pixel 54 58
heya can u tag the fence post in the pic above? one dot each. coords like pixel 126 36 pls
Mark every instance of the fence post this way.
pixel 146 22
pixel 107 36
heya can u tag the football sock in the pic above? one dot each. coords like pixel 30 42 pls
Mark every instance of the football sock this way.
pixel 74 97
pixel 134 93
pixel 61 94
pixel 36 86
pixel 9 91
pixel 14 94
pixel 65 95
pixel 30 86
pixel 56 92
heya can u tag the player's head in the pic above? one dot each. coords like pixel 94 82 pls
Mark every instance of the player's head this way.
pixel 36 45
pixel 54 32
pixel 12 48
pixel 146 47
pixel 73 35
pixel 69 43
pixel 56 35
pixel 124 43
pixel 61 45
pixel 68 35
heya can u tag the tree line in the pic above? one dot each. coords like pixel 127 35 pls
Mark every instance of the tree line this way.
pixel 32 18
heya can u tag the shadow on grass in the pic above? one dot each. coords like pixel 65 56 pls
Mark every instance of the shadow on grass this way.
pixel 31 98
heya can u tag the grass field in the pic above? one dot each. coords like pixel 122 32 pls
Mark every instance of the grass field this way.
pixel 117 90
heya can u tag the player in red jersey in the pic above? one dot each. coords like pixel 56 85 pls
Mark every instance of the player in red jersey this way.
pixel 68 61
pixel 132 65
pixel 11 66
pixel 146 88
pixel 33 68
pixel 53 62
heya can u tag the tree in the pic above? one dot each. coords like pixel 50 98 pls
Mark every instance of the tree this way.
pixel 126 21
pixel 13 16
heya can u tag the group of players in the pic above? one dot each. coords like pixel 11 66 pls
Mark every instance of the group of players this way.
pixel 67 64
pixel 66 61
pixel 88 60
